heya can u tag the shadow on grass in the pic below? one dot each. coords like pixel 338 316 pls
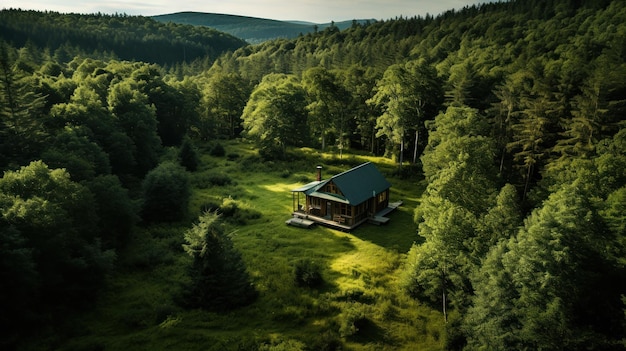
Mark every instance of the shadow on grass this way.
pixel 398 235
pixel 367 332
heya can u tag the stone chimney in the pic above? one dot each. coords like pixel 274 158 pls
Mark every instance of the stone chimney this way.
pixel 319 173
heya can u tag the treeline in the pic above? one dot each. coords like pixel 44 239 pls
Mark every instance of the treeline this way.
pixel 514 111
pixel 119 36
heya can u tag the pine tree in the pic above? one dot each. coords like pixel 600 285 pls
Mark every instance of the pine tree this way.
pixel 219 280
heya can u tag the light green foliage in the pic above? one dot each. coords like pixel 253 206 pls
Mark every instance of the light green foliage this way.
pixel 501 221
pixel 275 116
pixel 409 94
pixel 327 100
pixel 458 163
pixel 223 99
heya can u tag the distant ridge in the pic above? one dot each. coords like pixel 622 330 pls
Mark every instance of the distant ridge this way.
pixel 251 29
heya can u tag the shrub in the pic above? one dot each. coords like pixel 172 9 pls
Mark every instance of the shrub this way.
pixel 165 193
pixel 219 179
pixel 188 156
pixel 327 341
pixel 308 274
pixel 209 207
pixel 217 150
pixel 352 320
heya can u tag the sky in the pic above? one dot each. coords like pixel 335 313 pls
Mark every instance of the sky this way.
pixel 317 11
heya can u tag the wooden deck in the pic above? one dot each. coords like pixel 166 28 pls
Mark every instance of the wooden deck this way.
pixel 300 222
pixel 378 219
pixel 390 208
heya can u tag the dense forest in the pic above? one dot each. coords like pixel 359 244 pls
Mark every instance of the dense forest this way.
pixel 118 36
pixel 511 114
pixel 253 30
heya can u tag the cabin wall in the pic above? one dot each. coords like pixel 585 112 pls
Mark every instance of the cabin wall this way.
pixel 344 213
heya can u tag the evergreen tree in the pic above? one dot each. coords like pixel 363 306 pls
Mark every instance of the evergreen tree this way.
pixel 188 156
pixel 552 287
pixel 219 280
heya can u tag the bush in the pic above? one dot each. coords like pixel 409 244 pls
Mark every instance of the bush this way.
pixel 188 156
pixel 217 150
pixel 219 179
pixel 231 211
pixel 209 207
pixel 308 274
pixel 165 193
pixel 328 341
pixel 271 152
pixel 352 320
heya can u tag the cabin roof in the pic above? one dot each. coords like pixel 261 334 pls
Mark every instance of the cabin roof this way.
pixel 356 185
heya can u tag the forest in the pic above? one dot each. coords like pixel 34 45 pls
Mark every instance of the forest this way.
pixel 144 191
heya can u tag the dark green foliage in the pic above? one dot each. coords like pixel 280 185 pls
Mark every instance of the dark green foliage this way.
pixel 540 289
pixel 219 280
pixel 165 193
pixel 48 231
pixel 219 179
pixel 127 37
pixel 188 156
pixel 522 220
pixel 82 158
pixel 217 150
pixel 117 213
pixel 308 273
pixel 21 285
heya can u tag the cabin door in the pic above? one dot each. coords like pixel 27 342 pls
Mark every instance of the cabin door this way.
pixel 329 209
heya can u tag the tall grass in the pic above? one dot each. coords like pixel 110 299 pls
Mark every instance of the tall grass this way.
pixel 357 305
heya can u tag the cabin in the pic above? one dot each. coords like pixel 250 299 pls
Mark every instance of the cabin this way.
pixel 345 200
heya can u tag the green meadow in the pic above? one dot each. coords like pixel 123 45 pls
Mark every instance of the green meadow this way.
pixel 358 307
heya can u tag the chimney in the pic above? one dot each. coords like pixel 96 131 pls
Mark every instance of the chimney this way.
pixel 319 173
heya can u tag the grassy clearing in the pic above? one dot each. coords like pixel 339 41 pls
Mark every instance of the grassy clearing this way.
pixel 359 307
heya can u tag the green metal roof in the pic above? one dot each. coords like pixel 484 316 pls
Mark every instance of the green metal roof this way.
pixel 357 185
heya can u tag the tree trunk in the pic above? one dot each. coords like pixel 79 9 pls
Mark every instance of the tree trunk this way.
pixel 401 152
pixel 417 139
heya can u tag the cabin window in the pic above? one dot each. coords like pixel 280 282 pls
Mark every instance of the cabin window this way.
pixel 345 210
pixel 316 202
pixel 382 197
pixel 331 188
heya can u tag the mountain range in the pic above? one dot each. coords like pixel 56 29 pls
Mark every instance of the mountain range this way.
pixel 252 29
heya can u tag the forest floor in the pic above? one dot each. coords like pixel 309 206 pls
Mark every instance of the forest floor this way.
pixel 359 307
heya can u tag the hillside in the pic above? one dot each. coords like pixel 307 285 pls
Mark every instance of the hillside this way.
pixel 125 37
pixel 251 29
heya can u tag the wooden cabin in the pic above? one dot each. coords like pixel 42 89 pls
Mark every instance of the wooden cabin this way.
pixel 345 200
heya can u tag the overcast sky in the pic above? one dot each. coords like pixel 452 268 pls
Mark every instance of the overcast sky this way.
pixel 318 11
